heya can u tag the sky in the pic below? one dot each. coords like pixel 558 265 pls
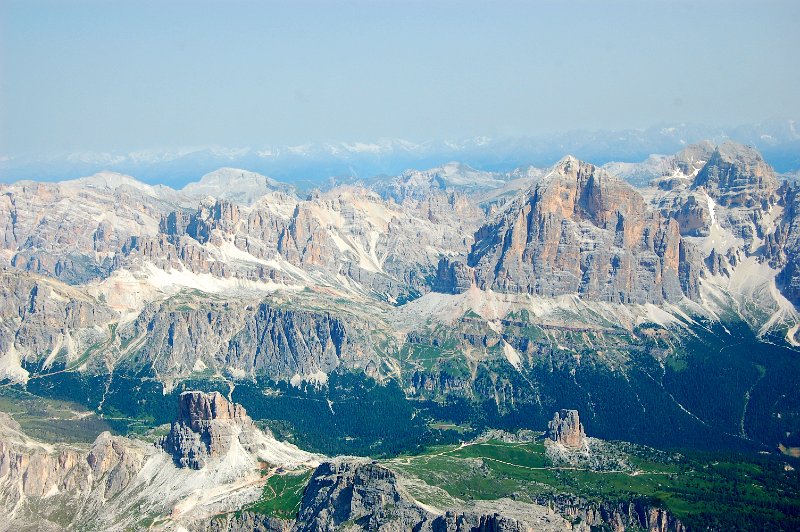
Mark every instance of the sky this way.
pixel 129 75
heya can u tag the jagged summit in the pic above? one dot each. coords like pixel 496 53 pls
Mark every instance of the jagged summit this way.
pixel 210 430
pixel 582 231
pixel 566 428
pixel 196 408
pixel 693 157
pixel 579 189
pixel 737 176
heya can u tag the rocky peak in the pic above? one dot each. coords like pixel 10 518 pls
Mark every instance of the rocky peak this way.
pixel 234 184
pixel 207 427
pixel 566 429
pixel 737 176
pixel 356 490
pixel 216 214
pixel 582 231
pixel 580 190
pixel 198 408
pixel 690 160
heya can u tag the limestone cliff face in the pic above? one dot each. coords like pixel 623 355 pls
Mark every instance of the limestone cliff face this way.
pixel 453 277
pixel 582 231
pixel 42 320
pixel 220 214
pixel 782 246
pixel 737 176
pixel 71 230
pixel 357 494
pixel 566 428
pixel 619 517
pixel 208 427
pixel 386 248
pixel 248 338
pixel 30 471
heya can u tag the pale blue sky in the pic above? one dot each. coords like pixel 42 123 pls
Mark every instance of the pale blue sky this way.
pixel 114 75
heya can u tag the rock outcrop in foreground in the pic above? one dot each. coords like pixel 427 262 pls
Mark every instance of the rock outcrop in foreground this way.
pixel 566 429
pixel 120 483
pixel 211 429
pixel 207 427
pixel 358 494
pixel 107 486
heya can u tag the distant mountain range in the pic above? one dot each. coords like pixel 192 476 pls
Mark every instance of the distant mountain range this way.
pixel 386 315
pixel 309 165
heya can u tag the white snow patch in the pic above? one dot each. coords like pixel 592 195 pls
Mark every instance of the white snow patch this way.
pixel 512 356
pixel 712 213
pixel 11 366
pixel 319 377
pixel 127 291
pixel 228 251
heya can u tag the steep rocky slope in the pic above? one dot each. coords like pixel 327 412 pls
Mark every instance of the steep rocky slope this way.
pixel 72 230
pixel 208 471
pixel 433 279
pixel 581 231
pixel 468 299
pixel 121 483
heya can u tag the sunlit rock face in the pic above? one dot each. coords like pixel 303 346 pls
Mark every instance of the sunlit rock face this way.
pixel 737 176
pixel 208 426
pixel 566 429
pixel 582 231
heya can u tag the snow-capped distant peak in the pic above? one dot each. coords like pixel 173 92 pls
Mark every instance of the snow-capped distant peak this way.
pixel 454 174
pixel 109 180
pixel 234 184
pixel 233 176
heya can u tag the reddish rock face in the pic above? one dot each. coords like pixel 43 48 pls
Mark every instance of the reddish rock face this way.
pixel 582 231
pixel 566 429
pixel 198 407
pixel 207 426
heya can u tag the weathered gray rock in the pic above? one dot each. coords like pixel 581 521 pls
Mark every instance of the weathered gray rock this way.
pixel 45 321
pixel 245 521
pixel 248 338
pixel 782 246
pixel 62 476
pixel 206 428
pixel 474 522
pixel 619 517
pixel 72 229
pixel 359 493
pixel 453 277
pixel 737 176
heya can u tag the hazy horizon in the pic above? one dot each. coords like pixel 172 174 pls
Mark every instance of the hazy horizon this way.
pixel 92 76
